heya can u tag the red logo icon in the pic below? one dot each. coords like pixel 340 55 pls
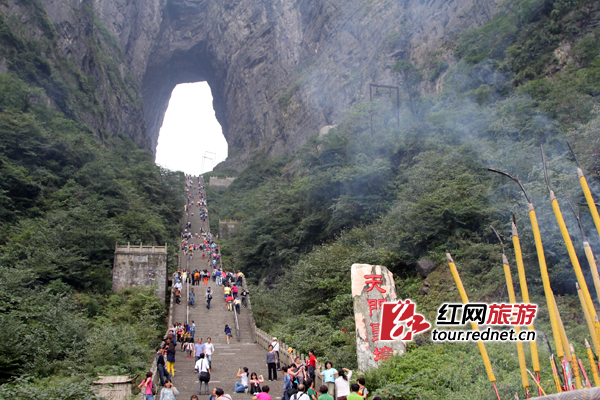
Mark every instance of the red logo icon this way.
pixel 399 321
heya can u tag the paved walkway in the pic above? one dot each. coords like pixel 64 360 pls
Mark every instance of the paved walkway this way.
pixel 211 323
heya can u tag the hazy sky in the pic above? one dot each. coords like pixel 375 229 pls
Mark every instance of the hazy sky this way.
pixel 190 131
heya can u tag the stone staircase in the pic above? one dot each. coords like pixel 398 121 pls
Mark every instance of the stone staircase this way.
pixel 211 323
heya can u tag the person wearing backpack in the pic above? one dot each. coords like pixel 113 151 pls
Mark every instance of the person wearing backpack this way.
pixel 311 391
pixel 300 394
pixel 203 368
pixel 149 386
pixel 208 297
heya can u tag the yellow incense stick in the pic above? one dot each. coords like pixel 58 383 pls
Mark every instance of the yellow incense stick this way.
pixel 589 198
pixel 465 300
pixel 513 299
pixel 592 363
pixel 563 334
pixel 546 281
pixel 574 260
pixel 524 293
pixel 592 261
pixel 575 368
pixel 586 313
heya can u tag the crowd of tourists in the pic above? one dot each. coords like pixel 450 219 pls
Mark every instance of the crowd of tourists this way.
pixel 298 378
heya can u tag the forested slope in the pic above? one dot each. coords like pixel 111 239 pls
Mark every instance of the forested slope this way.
pixel 395 195
pixel 66 197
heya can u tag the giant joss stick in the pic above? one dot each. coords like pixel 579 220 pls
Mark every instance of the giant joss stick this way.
pixel 592 363
pixel 586 312
pixel 586 192
pixel 567 348
pixel 589 255
pixel 543 268
pixel 513 299
pixel 570 249
pixel 465 300
pixel 525 294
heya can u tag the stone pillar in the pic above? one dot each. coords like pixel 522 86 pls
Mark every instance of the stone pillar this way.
pixel 372 285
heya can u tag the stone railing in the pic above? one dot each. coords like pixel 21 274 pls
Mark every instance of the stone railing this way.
pixel 264 340
pixel 139 249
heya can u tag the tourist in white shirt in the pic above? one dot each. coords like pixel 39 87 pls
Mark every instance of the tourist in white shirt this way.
pixel 275 345
pixel 203 368
pixel 209 349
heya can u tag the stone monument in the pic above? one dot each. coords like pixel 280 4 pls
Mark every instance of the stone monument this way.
pixel 372 285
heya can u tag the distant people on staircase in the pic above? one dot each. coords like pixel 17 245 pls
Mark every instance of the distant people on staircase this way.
pixel 242 386
pixel 221 395
pixel 169 392
pixel 203 368
pixel 192 298
pixel 324 389
pixel 301 394
pixel 188 345
pixel 311 364
pixel 363 391
pixel 209 350
pixel 229 303
pixel 237 303
pixel 199 349
pixel 171 357
pixel 147 385
pixel 226 292
pixel 354 395
pixel 299 370
pixel 311 391
pixel 275 345
pixel 208 297
pixel 342 383
pixel 234 291
pixel 228 333
pixel 288 386
pixel 177 296
pixel 160 365
pixel 244 298
pixel 193 330
pixel 272 363
pixel 263 395
pixel 254 384
pixel 206 275
pixel 329 376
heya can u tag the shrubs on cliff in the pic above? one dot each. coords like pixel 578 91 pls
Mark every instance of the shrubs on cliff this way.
pixel 65 199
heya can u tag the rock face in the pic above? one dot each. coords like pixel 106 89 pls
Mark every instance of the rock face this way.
pixel 279 70
pixel 425 267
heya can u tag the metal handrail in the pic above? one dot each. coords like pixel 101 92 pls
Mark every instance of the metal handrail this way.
pixel 237 324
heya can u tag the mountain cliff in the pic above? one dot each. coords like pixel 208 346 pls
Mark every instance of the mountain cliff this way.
pixel 278 70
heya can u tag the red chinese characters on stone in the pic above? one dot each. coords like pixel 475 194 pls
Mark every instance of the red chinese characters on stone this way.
pixel 399 321
pixel 383 354
pixel 374 281
pixel 375 331
pixel 375 304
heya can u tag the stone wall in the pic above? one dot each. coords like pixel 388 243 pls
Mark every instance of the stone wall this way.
pixel 228 228
pixel 220 183
pixel 141 266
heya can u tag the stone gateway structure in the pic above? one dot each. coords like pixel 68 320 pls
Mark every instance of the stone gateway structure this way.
pixel 372 285
pixel 140 266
